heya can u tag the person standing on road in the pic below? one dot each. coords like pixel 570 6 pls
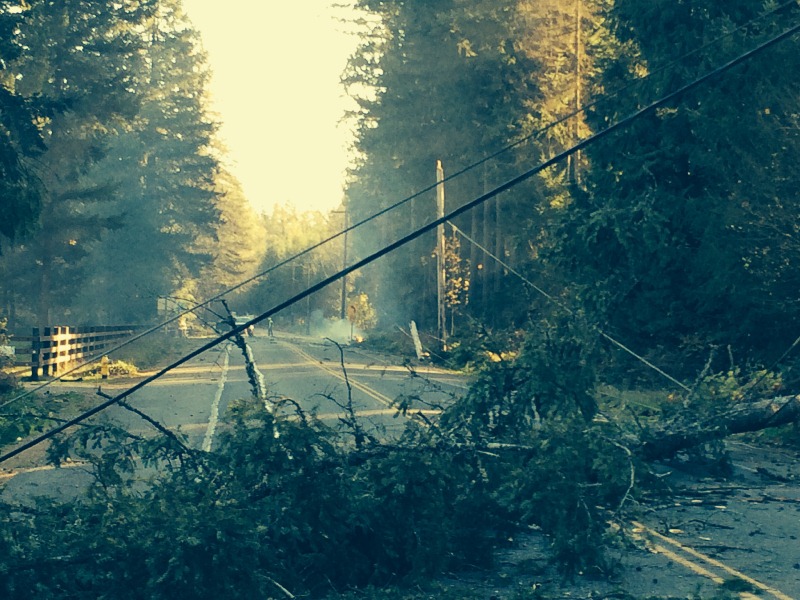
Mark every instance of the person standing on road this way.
pixel 269 327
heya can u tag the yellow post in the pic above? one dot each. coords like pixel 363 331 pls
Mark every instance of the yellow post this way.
pixel 104 367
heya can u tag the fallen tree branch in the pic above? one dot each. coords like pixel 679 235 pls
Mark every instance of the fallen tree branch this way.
pixel 254 376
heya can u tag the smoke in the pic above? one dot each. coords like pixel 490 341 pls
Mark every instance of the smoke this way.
pixel 339 330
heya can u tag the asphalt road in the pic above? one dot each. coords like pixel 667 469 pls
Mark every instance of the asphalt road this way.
pixel 732 535
pixel 740 527
pixel 193 399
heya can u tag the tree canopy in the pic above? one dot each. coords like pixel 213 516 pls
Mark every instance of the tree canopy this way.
pixel 114 179
pixel 675 232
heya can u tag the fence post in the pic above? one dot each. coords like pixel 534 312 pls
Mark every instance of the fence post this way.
pixel 36 356
pixel 47 344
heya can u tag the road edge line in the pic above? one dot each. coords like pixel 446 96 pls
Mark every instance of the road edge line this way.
pixel 213 418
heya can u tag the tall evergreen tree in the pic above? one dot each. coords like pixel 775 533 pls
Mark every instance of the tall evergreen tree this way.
pixel 289 232
pixel 684 237
pixel 128 178
pixel 239 241
pixel 166 169
pixel 20 140
pixel 450 84
pixel 75 60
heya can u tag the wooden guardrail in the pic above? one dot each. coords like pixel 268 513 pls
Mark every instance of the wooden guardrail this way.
pixel 54 348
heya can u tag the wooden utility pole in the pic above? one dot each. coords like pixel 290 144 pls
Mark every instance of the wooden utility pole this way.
pixel 440 257
pixel 345 225
pixel 307 269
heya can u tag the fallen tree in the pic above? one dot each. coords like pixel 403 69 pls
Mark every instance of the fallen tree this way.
pixel 681 434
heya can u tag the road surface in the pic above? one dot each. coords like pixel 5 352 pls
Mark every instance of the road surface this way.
pixel 193 399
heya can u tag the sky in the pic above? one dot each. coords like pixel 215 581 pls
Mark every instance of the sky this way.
pixel 275 85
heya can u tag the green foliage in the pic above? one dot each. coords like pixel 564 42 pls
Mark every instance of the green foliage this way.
pixel 278 502
pixel 716 394
pixel 552 377
pixel 4 360
pixel 289 232
pixel 443 81
pixel 569 485
pixel 475 347
pixel 68 66
pixel 732 386
pixel 679 234
pixel 679 231
pixel 124 159
pixel 169 187
pixel 363 313
pixel 397 342
pixel 457 274
pixel 567 475
pixel 283 501
pixel 20 142
pixel 239 240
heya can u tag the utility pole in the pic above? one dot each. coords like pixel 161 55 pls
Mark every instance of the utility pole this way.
pixel 346 224
pixel 440 257
pixel 307 269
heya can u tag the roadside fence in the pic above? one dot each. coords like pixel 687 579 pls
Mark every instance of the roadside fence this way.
pixel 53 349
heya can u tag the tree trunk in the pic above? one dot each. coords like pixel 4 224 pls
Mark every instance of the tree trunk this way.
pixel 498 252
pixel 486 277
pixel 670 439
pixel 472 299
pixel 43 300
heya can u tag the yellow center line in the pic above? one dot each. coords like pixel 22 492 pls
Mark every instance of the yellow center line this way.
pixel 383 399
pixel 692 566
pixel 370 392
pixel 377 412
pixel 65 465
pixel 712 561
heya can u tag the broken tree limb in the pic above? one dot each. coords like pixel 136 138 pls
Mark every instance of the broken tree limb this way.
pixel 742 418
pixel 254 376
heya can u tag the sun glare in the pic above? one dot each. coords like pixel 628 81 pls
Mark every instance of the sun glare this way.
pixel 275 86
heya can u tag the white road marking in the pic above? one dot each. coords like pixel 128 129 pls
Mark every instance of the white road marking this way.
pixel 214 416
